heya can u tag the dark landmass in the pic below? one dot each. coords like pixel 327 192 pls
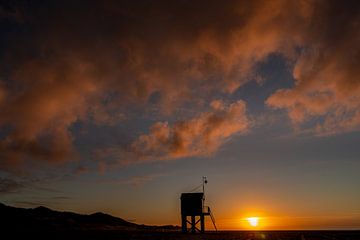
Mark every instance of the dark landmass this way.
pixel 45 219
pixel 44 223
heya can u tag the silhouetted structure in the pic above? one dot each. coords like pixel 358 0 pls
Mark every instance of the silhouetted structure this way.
pixel 192 205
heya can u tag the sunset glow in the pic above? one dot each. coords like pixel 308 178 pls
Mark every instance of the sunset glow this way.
pixel 122 106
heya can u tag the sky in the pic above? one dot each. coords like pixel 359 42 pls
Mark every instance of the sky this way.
pixel 120 106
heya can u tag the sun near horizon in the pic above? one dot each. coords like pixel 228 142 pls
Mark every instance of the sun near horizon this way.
pixel 253 221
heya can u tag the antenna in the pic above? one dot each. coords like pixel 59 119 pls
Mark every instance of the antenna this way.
pixel 203 184
pixel 204 181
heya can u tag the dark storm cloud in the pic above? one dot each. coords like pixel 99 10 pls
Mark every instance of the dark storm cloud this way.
pixel 68 61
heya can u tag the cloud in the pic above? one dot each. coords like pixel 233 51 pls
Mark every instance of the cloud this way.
pixel 31 203
pixel 139 180
pixel 327 72
pixel 39 116
pixel 8 185
pixel 72 66
pixel 80 170
pixel 29 184
pixel 68 62
pixel 198 136
pixel 61 198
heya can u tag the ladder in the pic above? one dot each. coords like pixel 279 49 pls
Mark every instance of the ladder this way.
pixel 212 217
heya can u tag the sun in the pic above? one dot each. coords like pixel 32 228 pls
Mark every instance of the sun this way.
pixel 253 221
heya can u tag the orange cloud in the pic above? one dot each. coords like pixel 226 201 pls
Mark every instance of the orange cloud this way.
pixel 64 71
pixel 40 115
pixel 86 62
pixel 327 73
pixel 199 136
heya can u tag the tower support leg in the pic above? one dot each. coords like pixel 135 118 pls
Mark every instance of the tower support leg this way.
pixel 183 224
pixel 202 223
pixel 193 223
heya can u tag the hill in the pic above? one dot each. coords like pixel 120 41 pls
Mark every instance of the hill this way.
pixel 42 218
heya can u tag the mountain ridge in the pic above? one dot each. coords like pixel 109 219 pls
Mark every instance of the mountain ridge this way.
pixel 43 218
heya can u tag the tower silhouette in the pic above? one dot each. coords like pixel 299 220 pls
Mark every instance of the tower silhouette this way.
pixel 193 206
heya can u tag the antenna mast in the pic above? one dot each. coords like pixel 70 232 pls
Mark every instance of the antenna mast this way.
pixel 204 181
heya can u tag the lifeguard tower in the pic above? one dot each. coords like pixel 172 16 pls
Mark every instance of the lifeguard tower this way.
pixel 193 206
